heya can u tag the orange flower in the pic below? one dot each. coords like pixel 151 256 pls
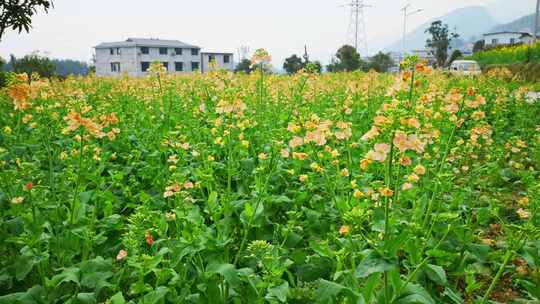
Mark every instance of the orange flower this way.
pixel 523 214
pixel 296 142
pixel 29 186
pixel 364 164
pixel 122 254
pixel 406 186
pixel 149 238
pixel 20 94
pixel 372 133
pixel 405 161
pixel 344 230
pixel 386 192
pixel 420 170
pixel 401 141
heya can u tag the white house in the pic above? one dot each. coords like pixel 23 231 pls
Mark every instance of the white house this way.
pixel 214 60
pixel 505 38
pixel 134 56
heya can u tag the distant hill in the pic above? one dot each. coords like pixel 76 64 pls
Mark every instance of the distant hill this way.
pixel 468 22
pixel 522 24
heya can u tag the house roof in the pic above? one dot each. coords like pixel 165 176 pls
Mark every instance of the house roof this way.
pixel 216 53
pixel 507 32
pixel 150 42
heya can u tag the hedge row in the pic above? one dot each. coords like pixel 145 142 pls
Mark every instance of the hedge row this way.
pixel 509 55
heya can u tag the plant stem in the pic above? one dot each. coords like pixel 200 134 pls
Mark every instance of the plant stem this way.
pixel 509 254
pixel 79 175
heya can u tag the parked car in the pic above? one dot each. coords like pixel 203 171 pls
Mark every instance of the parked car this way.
pixel 465 67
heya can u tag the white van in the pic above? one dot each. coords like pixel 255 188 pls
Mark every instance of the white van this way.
pixel 465 67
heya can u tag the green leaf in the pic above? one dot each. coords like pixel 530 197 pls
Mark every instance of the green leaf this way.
pixel 329 291
pixel 415 294
pixel 374 263
pixel 321 248
pixel 86 196
pixel 279 292
pixel 453 295
pixel 87 297
pixel 228 271
pixel 436 274
pixel 155 296
pixel 118 298
pixel 70 274
pixel 25 263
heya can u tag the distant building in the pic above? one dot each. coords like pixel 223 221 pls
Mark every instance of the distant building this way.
pixel 528 39
pixel 134 56
pixel 425 54
pixel 506 38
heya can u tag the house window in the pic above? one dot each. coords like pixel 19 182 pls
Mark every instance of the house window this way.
pixel 179 66
pixel 145 50
pixel 178 51
pixel 226 58
pixel 162 51
pixel 145 66
pixel 111 50
pixel 194 52
pixel 211 58
pixel 494 41
pixel 115 67
pixel 118 51
pixel 194 66
pixel 166 65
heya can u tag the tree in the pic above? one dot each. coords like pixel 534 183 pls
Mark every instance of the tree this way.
pixel 381 62
pixel 347 59
pixel 455 56
pixel 17 14
pixel 33 63
pixel 314 67
pixel 479 46
pixel 65 67
pixel 440 41
pixel 293 64
pixel 244 66
pixel 2 73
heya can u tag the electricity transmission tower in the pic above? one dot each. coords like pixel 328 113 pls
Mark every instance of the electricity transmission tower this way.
pixel 243 52
pixel 357 26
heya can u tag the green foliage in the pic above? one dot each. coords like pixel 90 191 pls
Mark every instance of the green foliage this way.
pixel 293 64
pixel 479 46
pixel 440 41
pixel 381 62
pixel 244 66
pixel 65 67
pixel 33 63
pixel 509 55
pixel 2 73
pixel 230 188
pixel 17 15
pixel 347 60
pixel 456 54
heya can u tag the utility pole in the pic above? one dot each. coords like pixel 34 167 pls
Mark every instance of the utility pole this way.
pixel 357 21
pixel 535 23
pixel 405 16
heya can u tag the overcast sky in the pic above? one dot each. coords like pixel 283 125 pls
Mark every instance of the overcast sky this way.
pixel 283 27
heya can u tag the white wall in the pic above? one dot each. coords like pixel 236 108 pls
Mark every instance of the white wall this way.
pixel 154 55
pixel 502 38
pixel 130 59
pixel 127 60
pixel 219 60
